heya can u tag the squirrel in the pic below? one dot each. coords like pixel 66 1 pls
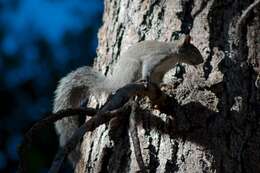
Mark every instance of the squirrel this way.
pixel 146 60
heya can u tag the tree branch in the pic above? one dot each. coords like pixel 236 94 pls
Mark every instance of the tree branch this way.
pixel 112 108
pixel 51 118
pixel 242 21
pixel 90 125
pixel 135 139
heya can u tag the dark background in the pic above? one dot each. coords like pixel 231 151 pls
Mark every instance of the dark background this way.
pixel 40 41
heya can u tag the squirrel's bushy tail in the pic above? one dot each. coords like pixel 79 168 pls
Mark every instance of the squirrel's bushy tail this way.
pixel 71 91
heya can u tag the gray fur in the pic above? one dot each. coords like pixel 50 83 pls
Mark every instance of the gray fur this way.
pixel 72 89
pixel 145 60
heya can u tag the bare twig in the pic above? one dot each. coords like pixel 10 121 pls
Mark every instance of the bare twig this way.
pixel 51 118
pixel 242 21
pixel 135 139
pixel 239 27
pixel 90 125
pixel 112 108
pixel 257 81
pixel 123 94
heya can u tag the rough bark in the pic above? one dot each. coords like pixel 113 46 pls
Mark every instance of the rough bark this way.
pixel 215 126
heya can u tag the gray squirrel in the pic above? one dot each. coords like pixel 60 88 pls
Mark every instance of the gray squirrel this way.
pixel 146 60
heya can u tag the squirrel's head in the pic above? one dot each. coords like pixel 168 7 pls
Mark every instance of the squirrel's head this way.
pixel 188 53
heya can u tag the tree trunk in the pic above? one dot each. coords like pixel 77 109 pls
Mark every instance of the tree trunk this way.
pixel 215 126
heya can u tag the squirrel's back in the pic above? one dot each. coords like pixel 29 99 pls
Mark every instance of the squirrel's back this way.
pixel 153 59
